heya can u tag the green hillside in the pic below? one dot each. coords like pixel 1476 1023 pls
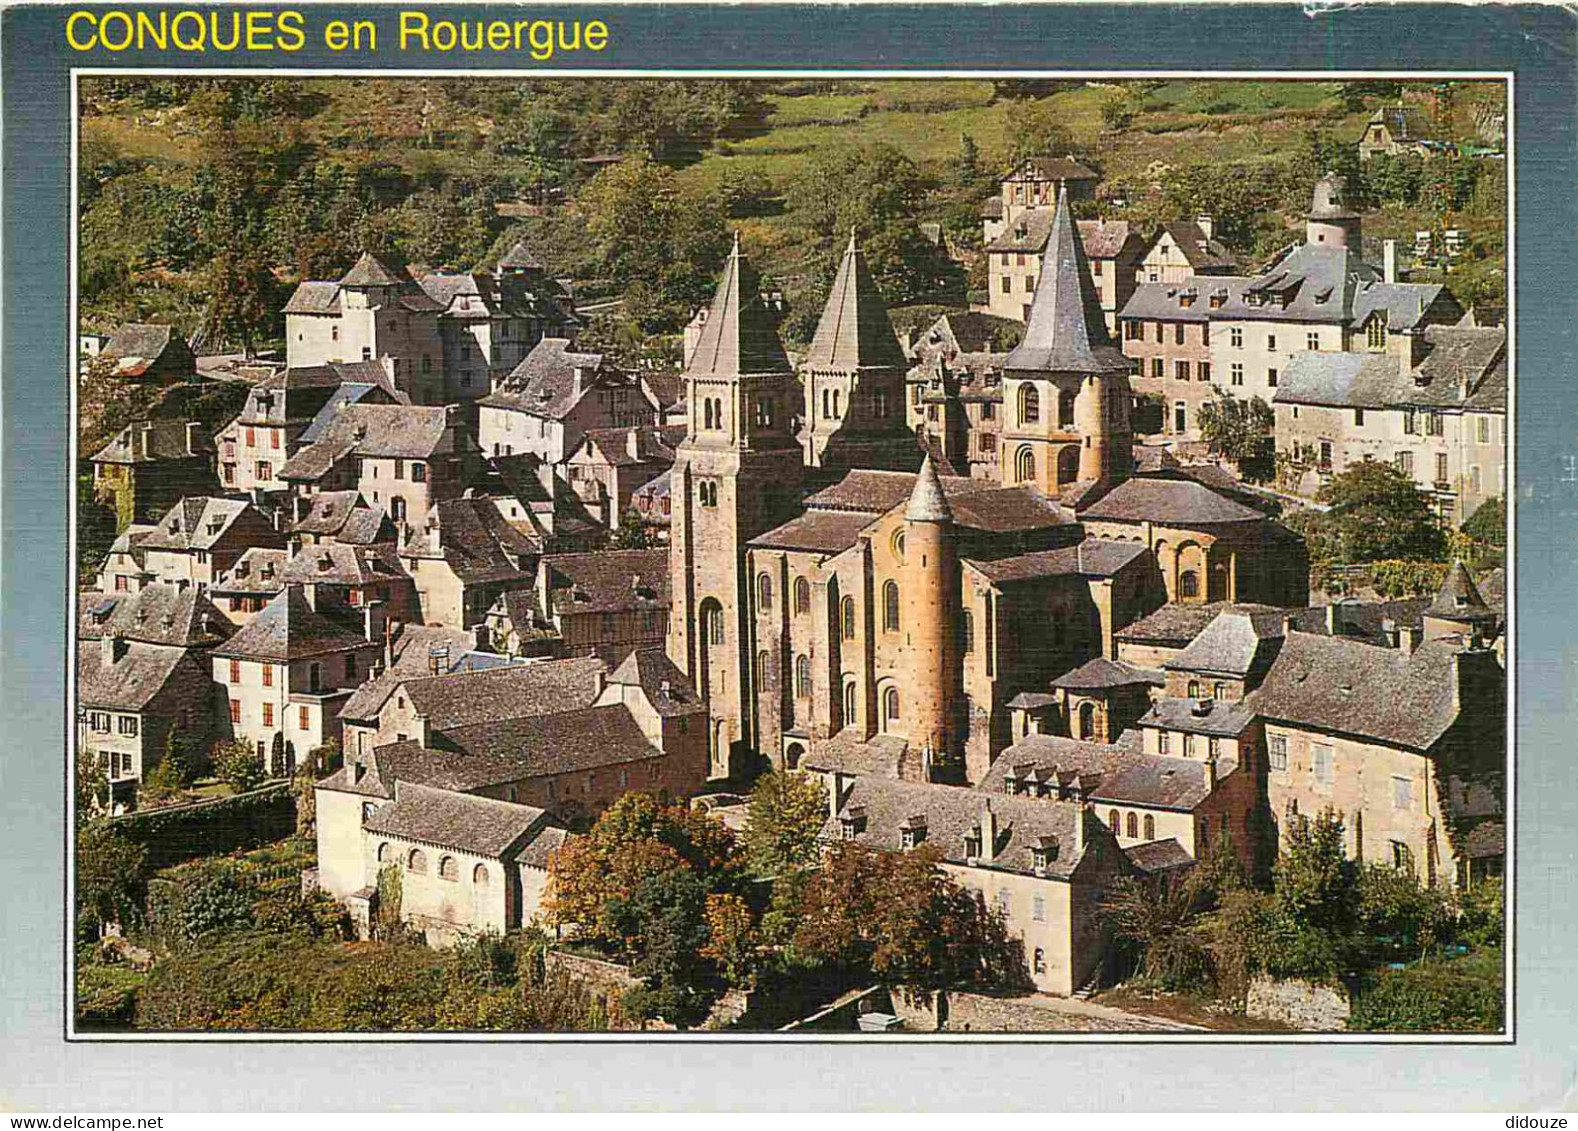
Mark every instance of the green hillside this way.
pixel 204 201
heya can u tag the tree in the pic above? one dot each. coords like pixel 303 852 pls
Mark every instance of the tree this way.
pixel 667 914
pixel 237 764
pixel 786 815
pixel 92 785
pixel 1316 885
pixel 632 534
pixel 733 941
pixel 1158 915
pixel 110 877
pixel 638 838
pixel 900 917
pixel 1376 513
pixel 1117 112
pixel 1488 523
pixel 1238 429
pixel 175 770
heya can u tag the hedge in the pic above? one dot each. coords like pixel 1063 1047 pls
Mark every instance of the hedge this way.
pixel 175 833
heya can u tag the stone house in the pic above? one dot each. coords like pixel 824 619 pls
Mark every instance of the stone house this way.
pixel 1166 329
pixel 487 323
pixel 125 567
pixel 353 578
pixel 551 399
pixel 1113 251
pixel 1182 249
pixel 402 458
pixel 956 387
pixel 1442 421
pixel 1035 184
pixel 609 465
pixel 1094 702
pixel 201 538
pixel 286 673
pixel 375 312
pixel 1400 129
pixel 463 556
pixel 603 604
pixel 341 517
pixel 155 463
pixel 245 588
pixel 1043 865
pixel 142 670
pixel 1406 744
pixel 150 354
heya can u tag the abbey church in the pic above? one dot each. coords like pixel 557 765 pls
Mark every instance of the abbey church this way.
pixel 841 600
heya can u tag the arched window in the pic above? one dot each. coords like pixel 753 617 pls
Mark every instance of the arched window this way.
pixel 383 853
pixel 761 670
pixel 802 595
pixel 764 593
pixel 448 869
pixel 1065 409
pixel 890 606
pixel 1133 825
pixel 1068 465
pixel 1220 691
pixel 1194 689
pixel 849 702
pixel 890 708
pixel 1029 404
pixel 417 862
pixel 1188 585
pixel 847 615
pixel 897 544
pixel 966 632
pixel 802 677
pixel 1040 962
pixel 1024 465
pixel 479 875
pixel 712 621
pixel 1087 720
pixel 1112 820
pixel 706 414
pixel 1150 827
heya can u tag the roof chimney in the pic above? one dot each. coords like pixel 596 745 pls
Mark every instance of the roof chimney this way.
pixel 1210 772
pixel 1408 639
pixel 1206 224
pixel 112 648
pixel 375 621
pixel 143 433
pixel 1389 261
pixel 988 832
pixel 1079 831
pixel 194 432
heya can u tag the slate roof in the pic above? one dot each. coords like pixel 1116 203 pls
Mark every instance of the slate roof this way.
pixel 927 503
pixel 566 741
pixel 882 755
pixel 972 333
pixel 165 440
pixel 389 431
pixel 257 571
pixel 876 492
pixel 1188 301
pixel 159 613
pixel 372 271
pixel 318 296
pixel 1054 169
pixel 666 687
pixel 352 392
pixel 194 523
pixel 1233 644
pixel 1324 284
pixel 470 698
pixel 1121 774
pixel 1471 374
pixel 1329 683
pixel 1459 599
pixel 1093 557
pixel 652 445
pixel 346 517
pixel 336 563
pixel 314 296
pixel 608 581
pixel 950 812
pixel 1031 229
pixel 739 335
pixel 296 395
pixel 1101 674
pixel 1202 251
pixel 1156 856
pixel 854 331
pixel 139 340
pixel 1066 331
pixel 135 679
pixel 412 646
pixel 288 628
pixel 475 540
pixel 1175 502
pixel 1469 358
pixel 1219 717
pixel 482 826
pixel 543 384
pixel 816 531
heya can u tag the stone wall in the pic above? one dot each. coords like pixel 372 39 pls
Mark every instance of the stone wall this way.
pixel 1301 1005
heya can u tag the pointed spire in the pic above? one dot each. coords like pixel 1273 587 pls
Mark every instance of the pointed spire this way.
pixel 927 501
pixel 519 258
pixel 739 335
pixel 1459 598
pixel 1066 331
pixel 855 331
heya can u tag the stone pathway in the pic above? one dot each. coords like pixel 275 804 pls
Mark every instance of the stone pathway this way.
pixel 1039 1013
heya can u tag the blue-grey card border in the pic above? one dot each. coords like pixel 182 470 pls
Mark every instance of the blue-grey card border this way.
pixel 1536 45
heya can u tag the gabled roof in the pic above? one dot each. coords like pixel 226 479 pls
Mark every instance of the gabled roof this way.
pixel 373 271
pixel 544 383
pixel 1223 718
pixel 874 491
pixel 855 331
pixel 159 613
pixel 1179 502
pixel 566 741
pixel 608 581
pixel 468 698
pixel 482 826
pixel 739 335
pixel 388 431
pixel 346 517
pixel 1092 557
pixel 665 686
pixel 520 258
pixel 336 563
pixel 131 683
pixel 1233 644
pixel 475 540
pixel 195 523
pixel 143 340
pixel 1101 674
pixel 289 628
pixel 817 531
pixel 1119 773
pixel 378 391
pixel 1066 331
pixel 259 571
pixel 1202 252
pixel 148 441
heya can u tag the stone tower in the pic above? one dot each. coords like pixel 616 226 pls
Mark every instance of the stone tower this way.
pixel 853 376
pixel 736 474
pixel 1331 223
pixel 1066 386
pixel 930 577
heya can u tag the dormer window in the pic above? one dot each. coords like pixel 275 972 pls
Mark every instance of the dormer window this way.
pixel 852 823
pixel 972 843
pixel 1043 853
pixel 913 831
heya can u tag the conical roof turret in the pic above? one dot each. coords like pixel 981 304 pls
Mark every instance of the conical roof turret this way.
pixel 1066 331
pixel 739 336
pixel 855 331
pixel 373 271
pixel 1459 597
pixel 927 501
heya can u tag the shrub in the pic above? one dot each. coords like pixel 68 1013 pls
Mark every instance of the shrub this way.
pixel 237 764
pixel 194 900
pixel 1462 995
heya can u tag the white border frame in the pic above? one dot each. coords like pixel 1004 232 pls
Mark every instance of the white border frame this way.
pixel 1510 483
